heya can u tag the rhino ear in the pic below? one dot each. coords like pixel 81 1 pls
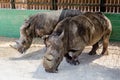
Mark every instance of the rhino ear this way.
pixel 45 37
pixel 61 35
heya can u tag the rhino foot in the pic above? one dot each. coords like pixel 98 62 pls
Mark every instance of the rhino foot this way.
pixel 92 53
pixel 105 53
pixel 73 62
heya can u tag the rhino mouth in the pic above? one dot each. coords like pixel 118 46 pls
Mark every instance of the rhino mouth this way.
pixel 22 50
pixel 52 70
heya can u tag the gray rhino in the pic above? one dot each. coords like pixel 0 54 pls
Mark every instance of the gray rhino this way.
pixel 39 25
pixel 72 35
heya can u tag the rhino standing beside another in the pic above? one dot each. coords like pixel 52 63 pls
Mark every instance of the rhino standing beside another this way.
pixel 73 34
pixel 39 25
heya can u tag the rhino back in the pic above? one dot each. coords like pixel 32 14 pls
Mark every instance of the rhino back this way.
pixel 89 29
pixel 69 13
pixel 49 20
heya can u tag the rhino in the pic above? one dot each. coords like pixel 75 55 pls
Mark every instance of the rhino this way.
pixel 73 34
pixel 39 25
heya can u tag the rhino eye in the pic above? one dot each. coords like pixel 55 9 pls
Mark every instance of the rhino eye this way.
pixel 23 42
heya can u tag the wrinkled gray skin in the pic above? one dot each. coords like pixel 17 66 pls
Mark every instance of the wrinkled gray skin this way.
pixel 39 25
pixel 73 34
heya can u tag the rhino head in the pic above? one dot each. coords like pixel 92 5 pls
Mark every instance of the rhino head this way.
pixel 54 53
pixel 22 45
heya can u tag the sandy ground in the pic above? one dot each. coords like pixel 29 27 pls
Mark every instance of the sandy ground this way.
pixel 28 66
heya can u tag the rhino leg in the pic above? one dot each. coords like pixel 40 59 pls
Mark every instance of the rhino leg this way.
pixel 74 58
pixel 94 48
pixel 105 43
pixel 68 57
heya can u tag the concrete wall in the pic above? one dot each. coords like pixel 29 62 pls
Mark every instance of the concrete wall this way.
pixel 11 21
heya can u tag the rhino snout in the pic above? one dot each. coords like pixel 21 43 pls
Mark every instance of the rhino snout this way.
pixel 49 64
pixel 18 47
pixel 48 61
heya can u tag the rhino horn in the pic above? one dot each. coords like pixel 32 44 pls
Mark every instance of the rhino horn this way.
pixel 61 35
pixel 15 45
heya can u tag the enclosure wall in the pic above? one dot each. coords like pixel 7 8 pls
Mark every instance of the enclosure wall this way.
pixel 11 21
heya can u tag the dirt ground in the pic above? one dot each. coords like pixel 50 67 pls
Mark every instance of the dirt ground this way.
pixel 28 66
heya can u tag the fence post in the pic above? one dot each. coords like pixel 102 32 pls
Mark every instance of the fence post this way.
pixel 12 4
pixel 28 5
pixel 102 6
pixel 54 4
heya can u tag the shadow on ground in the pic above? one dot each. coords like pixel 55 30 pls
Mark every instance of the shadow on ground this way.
pixel 85 71
pixel 35 55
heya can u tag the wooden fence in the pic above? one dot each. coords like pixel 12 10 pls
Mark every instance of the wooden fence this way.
pixel 4 3
pixel 83 5
pixel 112 6
pixel 40 4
